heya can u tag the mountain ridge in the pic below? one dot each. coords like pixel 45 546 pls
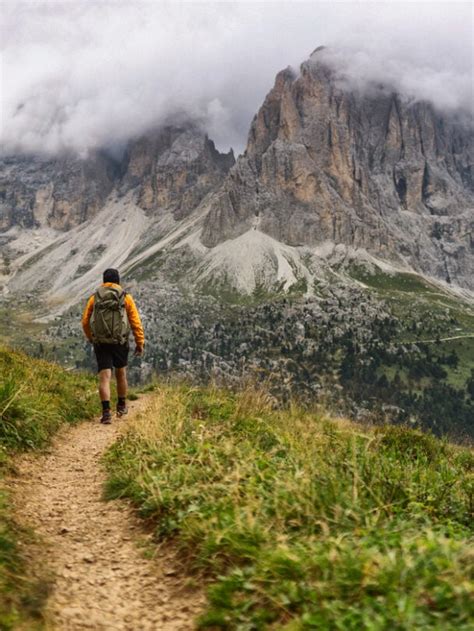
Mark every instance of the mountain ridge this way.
pixel 388 180
pixel 324 164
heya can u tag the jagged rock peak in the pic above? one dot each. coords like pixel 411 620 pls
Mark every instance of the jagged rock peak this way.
pixel 369 170
pixel 318 50
pixel 174 167
pixel 171 168
pixel 58 192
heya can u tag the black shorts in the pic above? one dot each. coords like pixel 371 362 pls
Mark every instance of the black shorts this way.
pixel 111 355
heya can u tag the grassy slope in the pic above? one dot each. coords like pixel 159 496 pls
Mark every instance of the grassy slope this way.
pixel 18 328
pixel 300 522
pixel 407 292
pixel 35 399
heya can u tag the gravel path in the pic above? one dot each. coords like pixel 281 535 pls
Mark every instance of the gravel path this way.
pixel 94 551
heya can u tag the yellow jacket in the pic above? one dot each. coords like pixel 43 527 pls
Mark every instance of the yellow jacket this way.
pixel 132 314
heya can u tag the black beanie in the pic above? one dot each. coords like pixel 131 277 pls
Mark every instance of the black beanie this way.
pixel 112 276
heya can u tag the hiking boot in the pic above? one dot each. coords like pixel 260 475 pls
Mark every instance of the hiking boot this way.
pixel 106 417
pixel 122 410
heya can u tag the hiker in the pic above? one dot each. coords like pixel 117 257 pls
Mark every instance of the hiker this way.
pixel 108 317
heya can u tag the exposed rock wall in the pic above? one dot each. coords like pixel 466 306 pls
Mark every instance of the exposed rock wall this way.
pixel 169 169
pixel 369 170
pixel 60 193
pixel 174 168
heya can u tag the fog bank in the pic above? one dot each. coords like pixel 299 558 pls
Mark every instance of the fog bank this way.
pixel 81 75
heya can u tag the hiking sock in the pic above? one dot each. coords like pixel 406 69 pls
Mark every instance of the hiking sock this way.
pixel 121 401
pixel 105 405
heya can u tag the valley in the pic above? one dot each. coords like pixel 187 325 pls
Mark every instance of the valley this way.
pixel 386 348
pixel 288 446
pixel 332 260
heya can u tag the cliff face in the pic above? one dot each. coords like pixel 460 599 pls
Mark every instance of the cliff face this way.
pixel 366 170
pixel 170 169
pixel 174 168
pixel 59 193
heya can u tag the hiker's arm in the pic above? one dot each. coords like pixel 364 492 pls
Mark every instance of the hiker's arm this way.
pixel 86 317
pixel 135 322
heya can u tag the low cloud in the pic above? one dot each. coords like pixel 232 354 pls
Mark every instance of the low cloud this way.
pixel 82 75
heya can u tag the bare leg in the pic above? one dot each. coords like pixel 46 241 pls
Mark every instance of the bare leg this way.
pixel 104 384
pixel 122 385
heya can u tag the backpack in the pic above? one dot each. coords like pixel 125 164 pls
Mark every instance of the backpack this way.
pixel 109 321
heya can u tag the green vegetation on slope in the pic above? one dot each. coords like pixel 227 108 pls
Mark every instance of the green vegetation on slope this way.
pixel 17 328
pixel 35 399
pixel 301 522
pixel 412 297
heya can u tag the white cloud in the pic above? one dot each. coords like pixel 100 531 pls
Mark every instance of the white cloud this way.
pixel 80 75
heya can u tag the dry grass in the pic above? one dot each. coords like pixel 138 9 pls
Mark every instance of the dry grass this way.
pixel 301 520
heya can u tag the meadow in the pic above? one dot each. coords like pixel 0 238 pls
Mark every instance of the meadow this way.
pixel 299 521
pixel 291 518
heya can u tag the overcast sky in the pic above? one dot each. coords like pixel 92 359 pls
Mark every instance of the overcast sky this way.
pixel 83 74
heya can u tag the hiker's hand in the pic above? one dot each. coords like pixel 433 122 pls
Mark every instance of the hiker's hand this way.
pixel 138 351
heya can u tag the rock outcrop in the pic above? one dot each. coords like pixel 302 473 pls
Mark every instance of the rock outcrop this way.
pixel 173 168
pixel 170 169
pixel 370 170
pixel 59 193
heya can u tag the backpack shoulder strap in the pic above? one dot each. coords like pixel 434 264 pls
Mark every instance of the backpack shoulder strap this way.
pixel 99 291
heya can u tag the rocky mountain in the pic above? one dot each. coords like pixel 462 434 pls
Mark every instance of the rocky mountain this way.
pixel 60 193
pixel 173 169
pixel 333 260
pixel 370 170
pixel 61 218
pixel 329 175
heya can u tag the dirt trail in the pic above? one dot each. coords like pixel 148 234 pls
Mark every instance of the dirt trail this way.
pixel 101 578
pixel 436 340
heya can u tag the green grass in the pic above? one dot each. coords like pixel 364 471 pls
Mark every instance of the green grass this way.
pixel 36 398
pixel 223 291
pixel 464 349
pixel 411 296
pixel 18 327
pixel 403 287
pixel 144 270
pixel 302 522
pixel 401 282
